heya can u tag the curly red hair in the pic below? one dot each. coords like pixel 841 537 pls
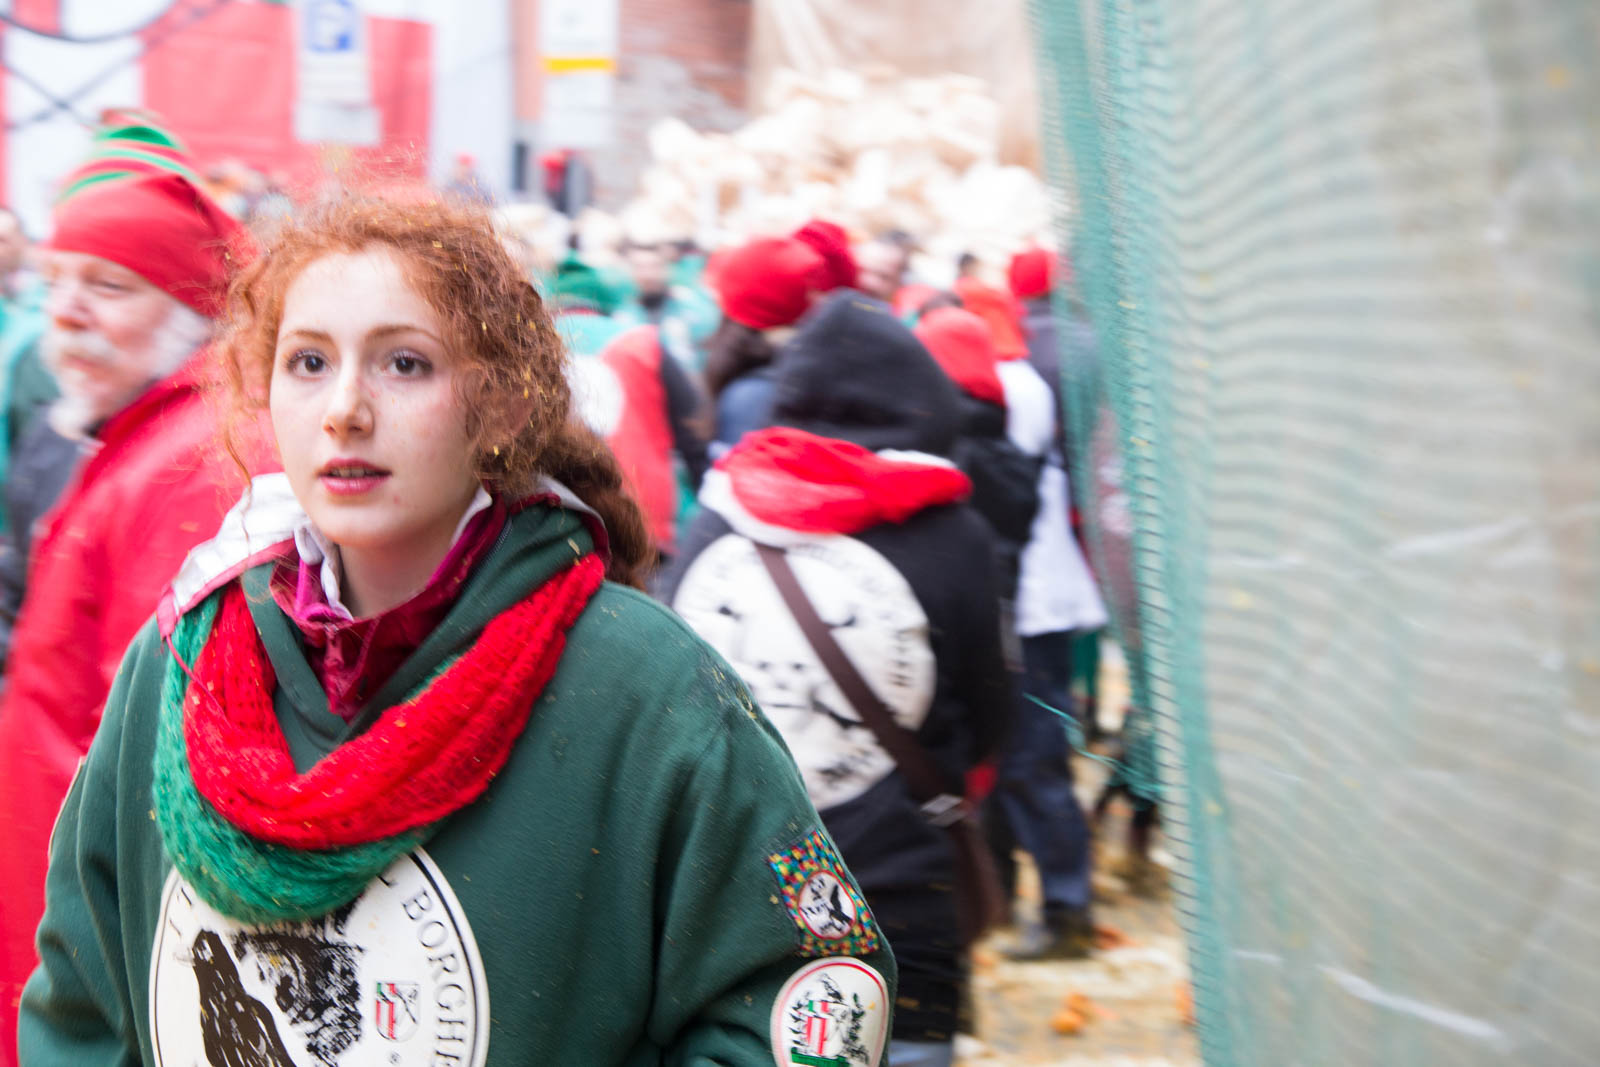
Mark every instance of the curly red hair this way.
pixel 514 386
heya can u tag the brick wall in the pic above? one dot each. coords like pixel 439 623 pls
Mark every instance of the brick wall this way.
pixel 686 58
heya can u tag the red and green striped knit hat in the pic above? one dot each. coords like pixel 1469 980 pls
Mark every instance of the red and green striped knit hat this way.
pixel 137 202
pixel 136 149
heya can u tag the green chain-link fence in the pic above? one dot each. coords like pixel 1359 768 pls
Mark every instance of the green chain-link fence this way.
pixel 1340 262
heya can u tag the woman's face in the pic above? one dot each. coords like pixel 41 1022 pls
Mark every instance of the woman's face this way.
pixel 364 406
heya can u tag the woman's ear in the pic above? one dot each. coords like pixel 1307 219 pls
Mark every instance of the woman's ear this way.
pixel 513 418
pixel 521 415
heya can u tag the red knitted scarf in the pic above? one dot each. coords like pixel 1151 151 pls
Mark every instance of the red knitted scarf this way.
pixel 422 760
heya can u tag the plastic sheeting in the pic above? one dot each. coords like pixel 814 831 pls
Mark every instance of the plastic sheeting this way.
pixel 987 39
pixel 1343 261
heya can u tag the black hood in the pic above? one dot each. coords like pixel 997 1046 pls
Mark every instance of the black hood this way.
pixel 854 372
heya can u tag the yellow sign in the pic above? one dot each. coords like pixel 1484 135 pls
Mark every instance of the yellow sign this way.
pixel 571 64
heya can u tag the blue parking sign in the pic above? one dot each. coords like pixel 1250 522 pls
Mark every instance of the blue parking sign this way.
pixel 331 26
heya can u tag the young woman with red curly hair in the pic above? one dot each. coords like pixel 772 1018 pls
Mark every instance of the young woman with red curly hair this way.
pixel 393 749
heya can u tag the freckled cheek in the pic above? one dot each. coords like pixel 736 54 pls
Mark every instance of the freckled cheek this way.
pixel 436 422
pixel 297 424
pixel 297 459
pixel 432 432
pixel 288 431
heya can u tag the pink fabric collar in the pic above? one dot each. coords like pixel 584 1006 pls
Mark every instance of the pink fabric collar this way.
pixel 354 657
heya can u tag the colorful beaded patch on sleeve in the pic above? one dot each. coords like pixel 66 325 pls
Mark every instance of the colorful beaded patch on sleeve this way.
pixel 828 910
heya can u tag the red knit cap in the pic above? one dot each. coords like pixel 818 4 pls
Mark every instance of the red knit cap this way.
pixel 160 227
pixel 830 242
pixel 961 344
pixel 999 311
pixel 1032 273
pixel 769 282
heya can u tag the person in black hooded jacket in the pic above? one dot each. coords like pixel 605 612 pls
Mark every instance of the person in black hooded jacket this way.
pixel 853 482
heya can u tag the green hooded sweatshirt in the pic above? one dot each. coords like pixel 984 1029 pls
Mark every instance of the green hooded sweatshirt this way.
pixel 645 882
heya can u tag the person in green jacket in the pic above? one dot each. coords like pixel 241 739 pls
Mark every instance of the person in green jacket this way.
pixel 685 313
pixel 585 305
pixel 25 386
pixel 404 770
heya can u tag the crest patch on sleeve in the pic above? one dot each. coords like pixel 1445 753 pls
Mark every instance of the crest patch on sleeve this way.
pixel 831 1013
pixel 827 909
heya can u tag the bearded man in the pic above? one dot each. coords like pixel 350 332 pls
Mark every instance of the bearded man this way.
pixel 136 268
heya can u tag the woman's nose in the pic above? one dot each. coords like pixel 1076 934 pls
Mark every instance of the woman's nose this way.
pixel 349 409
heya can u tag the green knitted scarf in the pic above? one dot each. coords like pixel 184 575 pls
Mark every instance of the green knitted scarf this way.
pixel 241 876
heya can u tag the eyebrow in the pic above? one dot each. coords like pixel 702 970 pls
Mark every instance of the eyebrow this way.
pixel 385 330
pixel 113 272
pixel 50 269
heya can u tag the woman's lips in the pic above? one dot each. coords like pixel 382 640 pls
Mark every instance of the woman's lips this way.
pixel 351 479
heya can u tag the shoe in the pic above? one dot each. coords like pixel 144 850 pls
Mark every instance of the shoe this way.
pixel 1145 878
pixel 1068 935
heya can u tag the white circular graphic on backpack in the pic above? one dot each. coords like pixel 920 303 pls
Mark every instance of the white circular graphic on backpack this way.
pixel 392 978
pixel 832 1011
pixel 729 599
pixel 596 394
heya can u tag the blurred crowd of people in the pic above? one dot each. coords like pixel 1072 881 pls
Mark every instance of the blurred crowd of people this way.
pixel 855 486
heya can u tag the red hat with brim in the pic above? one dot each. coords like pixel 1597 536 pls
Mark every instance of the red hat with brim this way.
pixel 769 282
pixel 163 229
pixel 960 343
pixel 999 311
pixel 830 242
pixel 1032 273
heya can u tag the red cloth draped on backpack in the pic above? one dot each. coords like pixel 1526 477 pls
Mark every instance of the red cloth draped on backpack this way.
pixel 800 481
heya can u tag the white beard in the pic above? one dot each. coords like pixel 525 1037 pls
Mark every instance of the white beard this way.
pixel 169 347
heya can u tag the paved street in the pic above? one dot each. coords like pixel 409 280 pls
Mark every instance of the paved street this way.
pixel 1132 1015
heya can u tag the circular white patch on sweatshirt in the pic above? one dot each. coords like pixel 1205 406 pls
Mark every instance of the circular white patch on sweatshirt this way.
pixel 832 1011
pixel 393 978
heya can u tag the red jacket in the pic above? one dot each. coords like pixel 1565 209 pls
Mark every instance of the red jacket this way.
pixel 641 437
pixel 157 486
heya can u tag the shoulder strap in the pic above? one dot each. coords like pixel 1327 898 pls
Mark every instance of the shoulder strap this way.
pixel 926 782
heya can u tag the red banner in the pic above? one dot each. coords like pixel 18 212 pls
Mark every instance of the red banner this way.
pixel 225 84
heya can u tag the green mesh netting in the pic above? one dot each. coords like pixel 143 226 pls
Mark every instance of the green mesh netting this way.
pixel 1341 264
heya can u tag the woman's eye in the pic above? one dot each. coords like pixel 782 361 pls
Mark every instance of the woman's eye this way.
pixel 408 364
pixel 308 362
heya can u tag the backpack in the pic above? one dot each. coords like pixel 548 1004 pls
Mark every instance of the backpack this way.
pixel 1005 484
